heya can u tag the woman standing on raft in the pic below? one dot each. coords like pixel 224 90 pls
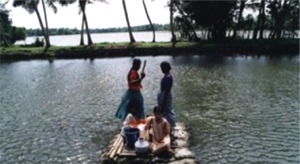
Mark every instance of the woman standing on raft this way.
pixel 164 97
pixel 133 94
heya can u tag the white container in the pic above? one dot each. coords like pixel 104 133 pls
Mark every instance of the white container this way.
pixel 142 146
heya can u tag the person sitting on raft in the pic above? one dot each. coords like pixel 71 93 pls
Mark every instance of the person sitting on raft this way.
pixel 131 119
pixel 161 141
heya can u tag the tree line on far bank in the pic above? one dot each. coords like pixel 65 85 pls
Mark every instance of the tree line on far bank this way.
pixel 215 18
pixel 71 31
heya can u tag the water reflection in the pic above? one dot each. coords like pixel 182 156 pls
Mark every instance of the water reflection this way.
pixel 200 61
pixel 240 109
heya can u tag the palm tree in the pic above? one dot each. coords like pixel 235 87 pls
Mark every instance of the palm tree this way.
pixel 82 4
pixel 187 22
pixel 261 19
pixel 66 3
pixel 32 7
pixel 51 5
pixel 81 31
pixel 173 39
pixel 132 40
pixel 242 7
pixel 153 30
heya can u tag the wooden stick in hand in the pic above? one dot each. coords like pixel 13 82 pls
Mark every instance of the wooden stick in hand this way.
pixel 145 62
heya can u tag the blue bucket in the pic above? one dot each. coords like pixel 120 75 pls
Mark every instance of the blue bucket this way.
pixel 131 135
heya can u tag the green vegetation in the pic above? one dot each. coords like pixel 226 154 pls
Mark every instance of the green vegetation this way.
pixel 18 49
pixel 281 17
pixel 9 34
pixel 159 48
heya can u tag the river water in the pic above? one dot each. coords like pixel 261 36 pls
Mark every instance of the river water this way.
pixel 240 109
pixel 144 36
pixel 74 40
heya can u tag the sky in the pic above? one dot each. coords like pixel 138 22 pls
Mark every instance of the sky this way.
pixel 99 15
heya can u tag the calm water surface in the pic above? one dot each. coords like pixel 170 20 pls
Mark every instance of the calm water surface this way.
pixel 160 36
pixel 239 109
pixel 74 40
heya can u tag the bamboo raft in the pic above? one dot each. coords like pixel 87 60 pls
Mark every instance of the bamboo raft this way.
pixel 119 153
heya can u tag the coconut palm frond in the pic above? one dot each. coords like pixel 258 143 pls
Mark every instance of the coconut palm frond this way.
pixel 51 5
pixel 103 1
pixel 66 2
pixel 18 3
pixel 2 5
pixel 28 5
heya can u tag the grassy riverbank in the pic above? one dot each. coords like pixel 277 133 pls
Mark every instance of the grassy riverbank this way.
pixel 270 47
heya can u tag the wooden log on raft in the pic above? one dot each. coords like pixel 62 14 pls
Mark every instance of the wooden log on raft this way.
pixel 116 146
pixel 120 148
pixel 113 144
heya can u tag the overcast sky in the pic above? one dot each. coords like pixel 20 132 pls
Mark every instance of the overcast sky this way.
pixel 99 15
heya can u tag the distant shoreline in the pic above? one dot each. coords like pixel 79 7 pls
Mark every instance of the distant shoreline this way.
pixel 106 50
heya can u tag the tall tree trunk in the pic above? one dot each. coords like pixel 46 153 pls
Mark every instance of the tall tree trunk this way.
pixel 41 23
pixel 228 33
pixel 242 7
pixel 195 37
pixel 153 30
pixel 273 34
pixel 90 42
pixel 278 28
pixel 82 4
pixel 209 32
pixel 202 35
pixel 173 39
pixel 132 40
pixel 243 34
pixel 249 31
pixel 81 33
pixel 281 17
pixel 254 36
pixel 46 28
pixel 263 18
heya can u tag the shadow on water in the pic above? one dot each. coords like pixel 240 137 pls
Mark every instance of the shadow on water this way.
pixel 199 60
pixel 212 60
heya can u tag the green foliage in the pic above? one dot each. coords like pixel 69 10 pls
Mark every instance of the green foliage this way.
pixel 17 33
pixel 38 42
pixel 217 16
pixel 9 34
pixel 284 15
pixel 29 5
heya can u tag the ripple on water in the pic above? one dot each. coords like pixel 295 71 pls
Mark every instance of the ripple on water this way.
pixel 240 110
